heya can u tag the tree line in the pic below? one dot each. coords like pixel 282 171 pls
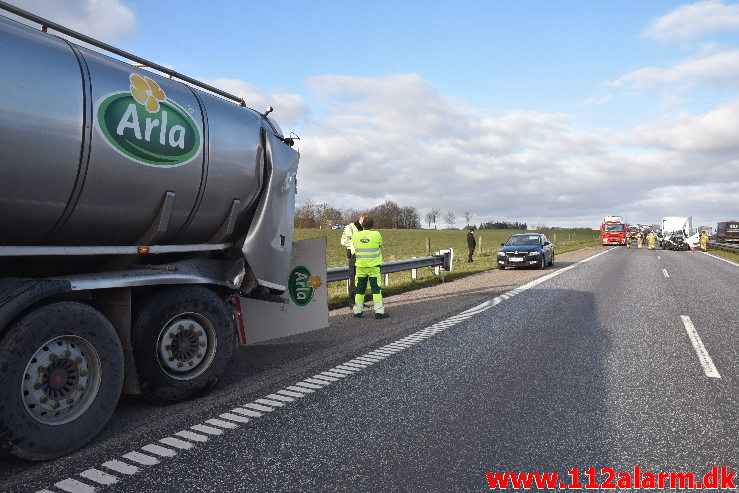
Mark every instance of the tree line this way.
pixel 387 215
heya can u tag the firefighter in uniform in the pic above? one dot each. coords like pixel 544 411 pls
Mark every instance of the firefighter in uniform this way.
pixel 346 240
pixel 704 241
pixel 367 245
pixel 651 239
pixel 628 239
pixel 639 239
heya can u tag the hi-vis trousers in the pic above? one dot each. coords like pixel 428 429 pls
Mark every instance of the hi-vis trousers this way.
pixel 365 275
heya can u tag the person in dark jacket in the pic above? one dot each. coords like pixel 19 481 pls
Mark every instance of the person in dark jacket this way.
pixel 471 243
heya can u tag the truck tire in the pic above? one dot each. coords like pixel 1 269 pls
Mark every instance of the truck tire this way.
pixel 182 341
pixel 62 368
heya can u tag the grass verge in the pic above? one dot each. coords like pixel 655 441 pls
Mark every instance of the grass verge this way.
pixel 403 244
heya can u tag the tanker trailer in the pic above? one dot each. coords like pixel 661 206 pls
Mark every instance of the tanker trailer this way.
pixel 135 209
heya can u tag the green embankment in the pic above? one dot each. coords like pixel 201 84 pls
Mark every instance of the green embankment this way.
pixel 403 244
pixel 728 255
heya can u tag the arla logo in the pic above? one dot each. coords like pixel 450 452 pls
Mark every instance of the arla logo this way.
pixel 144 125
pixel 302 284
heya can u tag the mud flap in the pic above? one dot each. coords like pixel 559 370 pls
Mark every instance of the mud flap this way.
pixel 303 306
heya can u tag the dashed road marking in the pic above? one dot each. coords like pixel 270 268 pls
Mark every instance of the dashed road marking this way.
pixel 222 424
pixel 269 402
pixel 143 459
pixel 177 443
pixel 159 450
pixel 703 357
pixel 664 271
pixel 210 430
pixel 246 412
pixel 258 407
pixel 99 477
pixel 195 437
pixel 74 486
pixel 121 467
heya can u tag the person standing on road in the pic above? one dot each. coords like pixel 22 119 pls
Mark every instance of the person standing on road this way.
pixel 368 245
pixel 628 239
pixel 639 239
pixel 471 243
pixel 651 239
pixel 704 241
pixel 346 240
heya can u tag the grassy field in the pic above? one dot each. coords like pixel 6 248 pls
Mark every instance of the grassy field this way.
pixel 403 244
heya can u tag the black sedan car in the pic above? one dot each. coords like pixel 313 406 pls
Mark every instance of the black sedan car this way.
pixel 526 250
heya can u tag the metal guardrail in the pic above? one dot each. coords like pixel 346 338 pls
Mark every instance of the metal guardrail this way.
pixel 442 259
pixel 727 247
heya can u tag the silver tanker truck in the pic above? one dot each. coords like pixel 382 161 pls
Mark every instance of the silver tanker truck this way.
pixel 134 210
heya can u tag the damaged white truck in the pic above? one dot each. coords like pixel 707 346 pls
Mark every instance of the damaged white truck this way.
pixel 136 211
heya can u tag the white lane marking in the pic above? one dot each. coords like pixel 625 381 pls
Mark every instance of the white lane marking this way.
pixel 99 476
pixel 301 389
pixel 659 258
pixel 44 491
pixel 278 397
pixel 258 407
pixel 342 370
pixel 290 393
pixel 159 450
pixel 176 442
pixel 664 271
pixel 246 412
pixel 234 417
pixel 329 373
pixel 307 386
pixel 721 258
pixel 74 486
pixel 222 424
pixel 324 377
pixel 317 382
pixel 143 459
pixel 195 437
pixel 703 357
pixel 121 467
pixel 210 430
pixel 269 402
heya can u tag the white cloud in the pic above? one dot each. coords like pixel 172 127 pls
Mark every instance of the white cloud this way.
pixel 694 20
pixel 288 108
pixel 106 20
pixel 718 70
pixel 395 138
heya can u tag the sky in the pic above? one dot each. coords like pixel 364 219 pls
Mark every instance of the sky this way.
pixel 553 113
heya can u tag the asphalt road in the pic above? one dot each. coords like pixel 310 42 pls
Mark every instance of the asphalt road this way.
pixel 628 359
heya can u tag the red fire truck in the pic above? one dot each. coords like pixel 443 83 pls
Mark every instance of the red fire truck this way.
pixel 613 231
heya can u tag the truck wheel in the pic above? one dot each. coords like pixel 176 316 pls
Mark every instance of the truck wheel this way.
pixel 182 340
pixel 62 365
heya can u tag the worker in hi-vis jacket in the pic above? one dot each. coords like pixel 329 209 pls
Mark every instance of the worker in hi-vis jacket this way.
pixel 367 247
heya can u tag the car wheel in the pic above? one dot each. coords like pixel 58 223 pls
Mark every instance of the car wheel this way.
pixel 501 266
pixel 182 341
pixel 543 264
pixel 551 262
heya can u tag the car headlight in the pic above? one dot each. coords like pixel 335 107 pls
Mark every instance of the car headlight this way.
pixel 531 254
pixel 501 254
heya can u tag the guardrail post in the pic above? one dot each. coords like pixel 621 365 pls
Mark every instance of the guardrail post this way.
pixel 387 280
pixel 480 242
pixel 414 273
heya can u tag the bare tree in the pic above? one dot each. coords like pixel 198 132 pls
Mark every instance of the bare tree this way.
pixel 449 219
pixel 467 217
